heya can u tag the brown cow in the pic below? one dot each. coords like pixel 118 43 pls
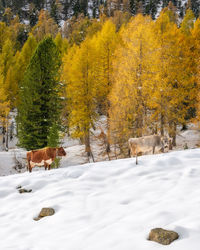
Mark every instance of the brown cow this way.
pixel 43 157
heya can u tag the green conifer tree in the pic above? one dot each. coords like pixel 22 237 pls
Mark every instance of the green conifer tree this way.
pixel 40 98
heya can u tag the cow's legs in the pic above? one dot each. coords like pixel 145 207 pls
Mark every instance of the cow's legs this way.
pixel 49 166
pixel 29 168
pixel 129 152
pixel 162 146
pixel 45 166
pixel 154 149
pixel 133 152
pixel 136 158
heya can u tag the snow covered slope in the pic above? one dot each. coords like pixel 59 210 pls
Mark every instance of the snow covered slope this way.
pixel 104 206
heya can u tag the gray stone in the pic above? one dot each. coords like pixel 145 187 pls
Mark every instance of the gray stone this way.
pixel 162 236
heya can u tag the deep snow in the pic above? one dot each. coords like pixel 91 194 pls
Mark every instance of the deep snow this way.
pixel 104 206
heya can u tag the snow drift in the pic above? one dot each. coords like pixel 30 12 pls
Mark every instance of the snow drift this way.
pixel 104 206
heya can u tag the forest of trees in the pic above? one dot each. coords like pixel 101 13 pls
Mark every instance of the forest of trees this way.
pixel 60 10
pixel 141 74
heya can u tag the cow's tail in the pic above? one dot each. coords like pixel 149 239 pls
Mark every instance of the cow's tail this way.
pixel 27 166
pixel 28 162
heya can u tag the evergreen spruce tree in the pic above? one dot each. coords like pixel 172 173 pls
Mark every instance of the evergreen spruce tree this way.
pixel 133 7
pixel 38 3
pixel 84 7
pixel 56 8
pixel 76 8
pixel 32 15
pixel 40 101
pixel 151 7
pixel 195 7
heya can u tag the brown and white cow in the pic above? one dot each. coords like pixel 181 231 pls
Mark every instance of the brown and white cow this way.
pixel 43 157
pixel 139 145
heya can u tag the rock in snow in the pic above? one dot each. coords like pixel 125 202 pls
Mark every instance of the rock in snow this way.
pixel 162 236
pixel 23 190
pixel 47 211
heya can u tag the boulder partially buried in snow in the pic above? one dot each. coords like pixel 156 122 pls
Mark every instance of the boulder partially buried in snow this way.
pixel 162 236
pixel 47 211
pixel 23 190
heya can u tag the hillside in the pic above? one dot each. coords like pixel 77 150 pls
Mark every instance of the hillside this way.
pixel 108 205
pixel 77 156
pixel 63 9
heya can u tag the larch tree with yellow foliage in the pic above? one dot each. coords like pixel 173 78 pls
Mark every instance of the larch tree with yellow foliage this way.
pixel 65 78
pixel 6 57
pixel 175 89
pixel 21 61
pixel 133 72
pixel 6 62
pixel 78 76
pixel 106 42
pixel 61 43
pixel 45 26
pixel 196 48
pixel 4 112
pixel 5 34
pixel 189 54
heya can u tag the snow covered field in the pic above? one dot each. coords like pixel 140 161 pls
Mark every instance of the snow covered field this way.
pixel 104 206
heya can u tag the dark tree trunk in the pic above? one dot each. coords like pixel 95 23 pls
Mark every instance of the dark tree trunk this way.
pixel 4 135
pixel 11 131
pixel 162 124
pixel 7 135
pixel 184 127
pixel 108 136
pixel 174 135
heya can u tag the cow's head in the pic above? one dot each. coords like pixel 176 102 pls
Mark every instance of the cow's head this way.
pixel 166 142
pixel 61 151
